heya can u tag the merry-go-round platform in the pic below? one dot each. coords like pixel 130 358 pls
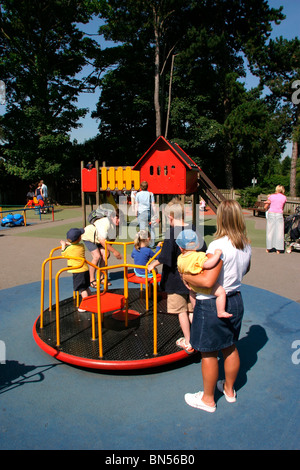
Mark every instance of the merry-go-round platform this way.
pixel 124 347
pixel 113 329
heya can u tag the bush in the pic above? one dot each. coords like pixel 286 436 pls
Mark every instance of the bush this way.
pixel 249 195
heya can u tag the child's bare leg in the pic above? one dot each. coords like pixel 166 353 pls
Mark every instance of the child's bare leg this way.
pixel 193 303
pixel 220 293
pixel 85 293
pixel 185 326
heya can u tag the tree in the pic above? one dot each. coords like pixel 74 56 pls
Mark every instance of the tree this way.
pixel 210 40
pixel 207 83
pixel 152 27
pixel 278 67
pixel 42 50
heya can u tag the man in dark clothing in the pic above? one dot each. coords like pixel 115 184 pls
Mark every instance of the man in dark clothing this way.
pixel 171 283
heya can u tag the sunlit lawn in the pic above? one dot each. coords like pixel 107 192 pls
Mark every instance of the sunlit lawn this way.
pixel 58 232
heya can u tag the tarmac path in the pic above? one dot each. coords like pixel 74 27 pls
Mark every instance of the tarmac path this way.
pixel 49 405
pixel 21 259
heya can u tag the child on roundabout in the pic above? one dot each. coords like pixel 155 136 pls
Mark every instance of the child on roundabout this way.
pixel 73 247
pixel 194 262
pixel 141 252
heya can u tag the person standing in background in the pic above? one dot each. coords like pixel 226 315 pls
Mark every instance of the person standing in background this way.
pixel 145 207
pixel 275 222
pixel 45 192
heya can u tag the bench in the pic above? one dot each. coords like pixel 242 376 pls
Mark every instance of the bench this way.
pixel 258 208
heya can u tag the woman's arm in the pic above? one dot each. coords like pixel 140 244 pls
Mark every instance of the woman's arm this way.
pixel 267 203
pixel 207 278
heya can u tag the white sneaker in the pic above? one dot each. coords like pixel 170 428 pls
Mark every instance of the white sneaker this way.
pixel 81 310
pixel 220 387
pixel 195 400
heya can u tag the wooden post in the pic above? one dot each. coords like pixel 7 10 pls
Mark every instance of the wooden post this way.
pixel 82 197
pixel 98 184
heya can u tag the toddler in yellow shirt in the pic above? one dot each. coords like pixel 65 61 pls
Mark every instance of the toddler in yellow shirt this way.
pixel 191 261
pixel 73 247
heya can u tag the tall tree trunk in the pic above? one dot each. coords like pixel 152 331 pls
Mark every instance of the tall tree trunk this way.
pixel 228 166
pixel 156 75
pixel 295 152
pixel 228 154
pixel 169 102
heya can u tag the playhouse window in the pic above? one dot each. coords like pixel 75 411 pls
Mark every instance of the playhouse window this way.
pixel 173 169
pixel 158 170
pixel 165 170
pixel 151 170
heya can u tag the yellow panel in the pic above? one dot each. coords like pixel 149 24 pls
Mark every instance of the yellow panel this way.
pixel 104 178
pixel 128 178
pixel 136 179
pixel 119 178
pixel 111 178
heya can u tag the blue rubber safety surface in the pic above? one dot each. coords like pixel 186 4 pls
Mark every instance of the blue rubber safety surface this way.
pixel 48 405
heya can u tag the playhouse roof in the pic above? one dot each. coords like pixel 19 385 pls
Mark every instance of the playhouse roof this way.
pixel 163 144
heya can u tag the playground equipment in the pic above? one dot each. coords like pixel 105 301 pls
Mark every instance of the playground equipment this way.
pixel 119 330
pixel 12 220
pixel 111 178
pixel 167 169
pixel 292 231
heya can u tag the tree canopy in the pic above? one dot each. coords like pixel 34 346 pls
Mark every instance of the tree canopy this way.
pixel 228 130
pixel 42 50
pixel 177 69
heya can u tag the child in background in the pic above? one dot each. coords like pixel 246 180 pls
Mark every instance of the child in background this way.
pixel 202 204
pixel 73 247
pixel 194 262
pixel 141 252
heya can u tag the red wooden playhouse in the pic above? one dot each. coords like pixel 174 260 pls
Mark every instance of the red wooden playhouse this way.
pixel 169 170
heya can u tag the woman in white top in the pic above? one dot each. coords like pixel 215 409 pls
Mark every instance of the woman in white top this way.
pixel 210 334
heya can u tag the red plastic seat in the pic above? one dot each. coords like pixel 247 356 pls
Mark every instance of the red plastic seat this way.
pixel 109 302
pixel 132 277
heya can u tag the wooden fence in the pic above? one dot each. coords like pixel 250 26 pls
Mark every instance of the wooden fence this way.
pixel 290 206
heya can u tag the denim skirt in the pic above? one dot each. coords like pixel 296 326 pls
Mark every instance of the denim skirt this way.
pixel 209 332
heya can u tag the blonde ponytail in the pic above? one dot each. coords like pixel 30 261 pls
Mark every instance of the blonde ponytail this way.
pixel 140 237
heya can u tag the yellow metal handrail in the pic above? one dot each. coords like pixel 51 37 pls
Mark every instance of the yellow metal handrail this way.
pixel 104 269
pixel 134 266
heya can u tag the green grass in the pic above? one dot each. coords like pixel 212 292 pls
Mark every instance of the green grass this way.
pixel 56 232
pixel 257 237
pixel 53 231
